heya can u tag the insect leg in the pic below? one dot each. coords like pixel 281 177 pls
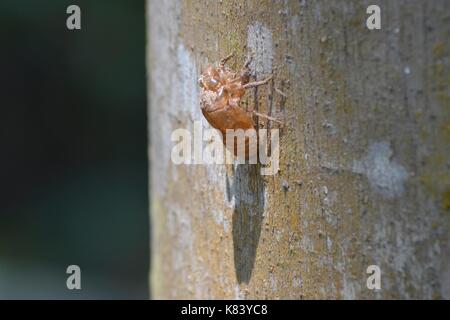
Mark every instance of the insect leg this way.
pixel 281 93
pixel 244 77
pixel 265 116
pixel 247 62
pixel 256 83
pixel 224 60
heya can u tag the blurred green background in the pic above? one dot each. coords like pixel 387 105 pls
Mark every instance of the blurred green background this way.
pixel 73 164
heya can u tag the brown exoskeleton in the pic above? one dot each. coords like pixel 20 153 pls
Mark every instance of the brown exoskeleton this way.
pixel 220 95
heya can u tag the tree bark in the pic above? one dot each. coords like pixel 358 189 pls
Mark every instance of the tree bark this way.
pixel 364 156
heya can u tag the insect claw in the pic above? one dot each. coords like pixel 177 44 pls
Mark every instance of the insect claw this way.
pixel 257 83
pixel 281 93
pixel 248 61
pixel 224 60
pixel 265 116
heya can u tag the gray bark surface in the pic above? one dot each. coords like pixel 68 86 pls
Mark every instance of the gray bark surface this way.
pixel 364 158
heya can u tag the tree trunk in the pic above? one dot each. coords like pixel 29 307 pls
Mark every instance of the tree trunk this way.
pixel 364 156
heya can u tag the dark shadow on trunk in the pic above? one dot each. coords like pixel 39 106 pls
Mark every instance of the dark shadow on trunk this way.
pixel 248 191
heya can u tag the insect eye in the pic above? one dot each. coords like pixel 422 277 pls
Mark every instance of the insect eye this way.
pixel 208 82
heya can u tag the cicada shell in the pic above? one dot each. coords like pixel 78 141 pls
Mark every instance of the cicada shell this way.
pixel 221 91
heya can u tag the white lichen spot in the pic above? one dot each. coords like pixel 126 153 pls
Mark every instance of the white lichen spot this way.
pixel 329 243
pixel 226 225
pixel 187 85
pixel 266 200
pixel 306 244
pixel 216 177
pixel 259 41
pixel 445 283
pixel 295 24
pixel 348 290
pixel 331 129
pixel 217 217
pixel 297 282
pixel 273 282
pixel 386 176
pixel 407 71
pixel 238 294
pixel 220 219
pixel 330 199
